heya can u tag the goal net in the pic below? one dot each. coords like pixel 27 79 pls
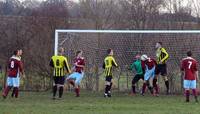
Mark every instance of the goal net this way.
pixel 126 44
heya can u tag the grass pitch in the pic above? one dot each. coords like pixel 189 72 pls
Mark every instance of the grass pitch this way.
pixel 95 103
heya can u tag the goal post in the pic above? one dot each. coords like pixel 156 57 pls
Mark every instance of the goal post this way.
pixel 57 31
pixel 127 43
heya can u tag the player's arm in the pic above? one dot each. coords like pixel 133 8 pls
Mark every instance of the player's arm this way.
pixel 104 65
pixel 197 72
pixel 82 66
pixel 67 65
pixel 182 66
pixel 114 62
pixel 131 67
pixel 166 54
pixel 182 69
pixel 51 63
pixel 21 69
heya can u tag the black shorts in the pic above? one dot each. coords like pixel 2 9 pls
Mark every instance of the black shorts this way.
pixel 137 78
pixel 161 69
pixel 59 80
pixel 108 78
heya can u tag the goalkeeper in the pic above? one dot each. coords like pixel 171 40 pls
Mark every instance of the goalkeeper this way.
pixel 139 67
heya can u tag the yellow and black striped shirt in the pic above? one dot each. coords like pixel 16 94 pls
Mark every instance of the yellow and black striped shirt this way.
pixel 108 64
pixel 162 56
pixel 59 63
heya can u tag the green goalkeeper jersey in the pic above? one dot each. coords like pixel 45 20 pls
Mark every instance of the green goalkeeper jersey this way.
pixel 137 65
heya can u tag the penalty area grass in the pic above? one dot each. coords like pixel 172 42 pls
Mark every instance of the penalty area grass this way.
pixel 95 103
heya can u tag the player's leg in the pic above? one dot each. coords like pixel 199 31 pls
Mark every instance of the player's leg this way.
pixel 193 87
pixel 187 89
pixel 155 80
pixel 151 80
pixel 8 87
pixel 61 85
pixel 70 79
pixel 107 85
pixel 110 87
pixel 134 81
pixel 146 78
pixel 16 83
pixel 79 77
pixel 165 77
pixel 151 85
pixel 55 86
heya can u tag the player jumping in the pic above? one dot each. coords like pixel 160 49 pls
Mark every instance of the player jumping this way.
pixel 190 70
pixel 108 64
pixel 59 63
pixel 75 78
pixel 161 67
pixel 149 75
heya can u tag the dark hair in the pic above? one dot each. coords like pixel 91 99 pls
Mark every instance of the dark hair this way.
pixel 60 50
pixel 109 50
pixel 15 52
pixel 160 43
pixel 189 53
pixel 78 52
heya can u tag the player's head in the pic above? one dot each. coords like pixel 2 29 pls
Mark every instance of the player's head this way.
pixel 189 53
pixel 138 56
pixel 20 52
pixel 61 51
pixel 144 57
pixel 79 53
pixel 158 45
pixel 110 52
pixel 16 52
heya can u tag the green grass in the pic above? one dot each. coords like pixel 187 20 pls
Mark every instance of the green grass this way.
pixel 94 103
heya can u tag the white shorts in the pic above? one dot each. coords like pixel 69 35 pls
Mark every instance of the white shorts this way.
pixel 190 84
pixel 77 77
pixel 149 73
pixel 13 81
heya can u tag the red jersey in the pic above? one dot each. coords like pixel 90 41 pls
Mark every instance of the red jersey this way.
pixel 14 67
pixel 189 65
pixel 79 61
pixel 150 63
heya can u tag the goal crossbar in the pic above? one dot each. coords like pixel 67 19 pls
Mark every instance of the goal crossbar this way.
pixel 121 31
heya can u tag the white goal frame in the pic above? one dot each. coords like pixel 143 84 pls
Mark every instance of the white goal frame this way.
pixel 57 31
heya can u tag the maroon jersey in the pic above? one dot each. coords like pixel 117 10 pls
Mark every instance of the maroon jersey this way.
pixel 14 67
pixel 150 63
pixel 79 61
pixel 189 65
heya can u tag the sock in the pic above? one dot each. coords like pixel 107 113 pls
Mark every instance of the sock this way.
pixel 187 92
pixel 77 90
pixel 133 89
pixel 60 92
pixel 194 92
pixel 6 91
pixel 13 93
pixel 144 87
pixel 54 90
pixel 106 88
pixel 155 86
pixel 16 91
pixel 109 89
pixel 167 85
